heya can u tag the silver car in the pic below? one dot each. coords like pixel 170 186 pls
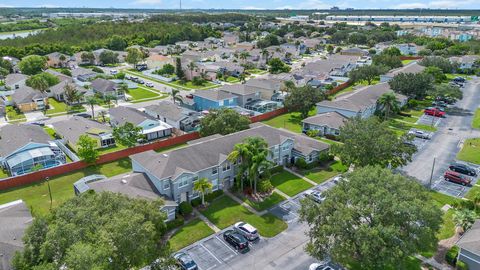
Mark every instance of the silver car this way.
pixel 420 134
pixel 247 230
pixel 316 196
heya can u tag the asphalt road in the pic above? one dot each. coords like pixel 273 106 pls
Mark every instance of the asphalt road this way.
pixel 445 143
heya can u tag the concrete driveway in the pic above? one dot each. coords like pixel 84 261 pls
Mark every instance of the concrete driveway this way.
pixel 445 143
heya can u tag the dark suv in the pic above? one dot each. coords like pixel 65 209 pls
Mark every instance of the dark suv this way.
pixel 236 240
pixel 458 178
pixel 463 169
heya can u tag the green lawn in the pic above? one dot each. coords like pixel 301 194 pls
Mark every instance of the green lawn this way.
pixel 50 131
pixel 232 79
pixel 470 151
pixel 410 119
pixel 62 108
pixel 411 263
pixel 13 114
pixel 476 119
pixel 3 174
pixel 451 76
pixel 355 86
pixel 441 199
pixel 111 149
pixel 289 183
pixel 406 62
pixel 320 175
pixel 189 233
pixel 327 141
pixel 473 192
pixel 36 195
pixel 190 85
pixel 224 212
pixel 406 126
pixel 447 229
pixel 141 93
pixel 291 121
pixel 256 71
pixel 267 203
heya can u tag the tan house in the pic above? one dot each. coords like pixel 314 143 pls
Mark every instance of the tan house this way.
pixel 155 61
pixel 57 60
pixel 27 99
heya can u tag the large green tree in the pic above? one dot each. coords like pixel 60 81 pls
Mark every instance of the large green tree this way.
pixel 108 57
pixel 46 78
pixel 252 153
pixel 412 85
pixel 134 56
pixel 223 121
pixel 366 73
pixel 95 231
pixel 446 91
pixel 374 219
pixel 278 66
pixel 436 73
pixel 370 142
pixel 391 61
pixel 127 134
pixel 389 103
pixel 303 99
pixel 87 149
pixel 32 64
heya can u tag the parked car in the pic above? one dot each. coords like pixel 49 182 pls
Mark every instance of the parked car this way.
pixel 324 266
pixel 247 230
pixel 459 79
pixel 236 240
pixel 84 115
pixel 420 134
pixel 185 261
pixel 113 72
pixel 141 67
pixel 149 84
pixel 434 112
pixel 190 96
pixel 463 169
pixel 458 178
pixel 140 81
pixel 315 195
pixel 38 123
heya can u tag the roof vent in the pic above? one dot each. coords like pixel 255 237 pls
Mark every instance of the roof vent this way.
pixel 124 181
pixel 165 155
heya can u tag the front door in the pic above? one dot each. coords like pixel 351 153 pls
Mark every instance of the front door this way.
pixel 183 197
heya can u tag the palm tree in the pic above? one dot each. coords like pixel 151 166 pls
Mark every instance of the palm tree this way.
pixel 108 99
pixel 176 96
pixel 244 56
pixel 103 114
pixel 191 66
pixel 242 78
pixel 71 94
pixel 389 103
pixel 265 53
pixel 253 153
pixel 476 200
pixel 92 101
pixel 203 186
pixel 39 83
pixel 288 86
pixel 464 218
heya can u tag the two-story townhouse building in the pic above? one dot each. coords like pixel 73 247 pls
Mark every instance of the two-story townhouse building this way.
pixel 178 117
pixel 465 61
pixel 152 128
pixel 174 173
pixel 412 67
pixel 243 93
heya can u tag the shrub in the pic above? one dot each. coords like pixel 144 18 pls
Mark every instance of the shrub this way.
pixel 462 266
pixel 451 256
pixel 66 72
pixel 404 114
pixel 185 209
pixel 97 69
pixel 177 222
pixel 301 163
pixel 325 157
pixel 412 103
pixel 197 81
pixel 265 186
pixel 312 133
pixel 276 169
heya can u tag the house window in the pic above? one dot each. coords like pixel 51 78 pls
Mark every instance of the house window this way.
pixel 214 171
pixel 183 182
pixel 285 147
pixel 166 185
pixel 226 167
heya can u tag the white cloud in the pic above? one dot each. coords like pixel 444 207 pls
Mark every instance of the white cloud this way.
pixel 411 5
pixel 436 4
pixel 148 2
pixel 252 8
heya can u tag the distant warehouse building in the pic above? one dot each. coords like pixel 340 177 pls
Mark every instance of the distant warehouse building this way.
pixel 424 19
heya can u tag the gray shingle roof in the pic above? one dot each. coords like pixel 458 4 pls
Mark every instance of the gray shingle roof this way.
pixel 14 78
pixel 103 86
pixel 15 217
pixel 360 99
pixel 238 89
pixel 135 185
pixel 413 67
pixel 72 128
pixel 471 239
pixel 168 110
pixel 26 94
pixel 62 77
pixel 330 119
pixel 122 115
pixel 59 88
pixel 12 137
pixel 211 152
pixel 214 95
pixel 271 84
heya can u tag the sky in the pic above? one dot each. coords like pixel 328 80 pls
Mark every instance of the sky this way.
pixel 248 4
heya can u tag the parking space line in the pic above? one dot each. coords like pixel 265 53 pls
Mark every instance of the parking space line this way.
pixel 201 244
pixel 226 245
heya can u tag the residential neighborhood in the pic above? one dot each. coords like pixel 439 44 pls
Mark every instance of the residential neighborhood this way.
pixel 241 139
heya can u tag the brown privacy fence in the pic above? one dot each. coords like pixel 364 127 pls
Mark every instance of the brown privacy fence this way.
pixel 339 88
pixel 410 57
pixel 35 177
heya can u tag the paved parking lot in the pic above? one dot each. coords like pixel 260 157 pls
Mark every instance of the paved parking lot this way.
pixel 429 120
pixel 453 189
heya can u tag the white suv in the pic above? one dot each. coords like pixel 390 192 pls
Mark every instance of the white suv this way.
pixel 247 230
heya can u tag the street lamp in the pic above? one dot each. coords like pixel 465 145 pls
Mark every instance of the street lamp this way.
pixel 49 191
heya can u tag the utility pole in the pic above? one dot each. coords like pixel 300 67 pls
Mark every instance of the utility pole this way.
pixel 431 174
pixel 180 5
